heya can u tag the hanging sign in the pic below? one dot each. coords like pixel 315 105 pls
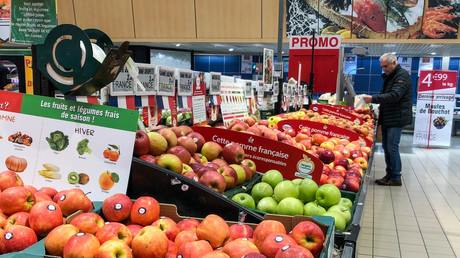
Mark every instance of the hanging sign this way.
pixel 184 82
pixel 68 144
pixel 268 154
pixel 199 98
pixel 435 107
pixel 214 81
pixel 166 81
pixel 123 85
pixel 338 112
pixel 147 76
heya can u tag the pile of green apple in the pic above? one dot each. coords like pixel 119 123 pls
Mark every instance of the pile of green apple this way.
pixel 297 197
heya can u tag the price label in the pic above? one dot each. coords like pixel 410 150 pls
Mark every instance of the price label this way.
pixel 166 81
pixel 185 82
pixel 215 84
pixel 260 90
pixel 437 80
pixel 248 90
pixel 147 77
pixel 123 85
pixel 276 88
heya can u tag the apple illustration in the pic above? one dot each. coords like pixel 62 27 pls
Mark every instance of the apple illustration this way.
pixel 251 165
pixel 171 162
pixel 188 235
pixel 309 235
pixel 168 226
pixel 339 220
pixel 73 200
pixel 187 224
pixel 285 189
pixel 198 139
pixel 230 175
pixel 297 251
pixel 244 199
pixel 307 190
pixel 328 195
pixel 181 153
pixel 81 245
pixel 114 248
pixel 188 143
pixel 145 210
pixel 194 249
pixel 312 208
pixel 114 231
pixel 213 180
pixel 261 190
pixel 16 199
pixel 58 237
pixel 17 238
pixel 44 217
pixel 117 207
pixel 290 206
pixel 88 222
pixel 239 248
pixel 266 228
pixel 211 151
pixel 158 143
pixel 9 179
pixel 274 242
pixel 268 205
pixel 20 218
pixel 207 230
pixel 272 177
pixel 141 143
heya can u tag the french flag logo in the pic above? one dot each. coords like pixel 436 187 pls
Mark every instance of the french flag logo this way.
pixel 184 101
pixel 164 102
pixel 215 100
pixel 84 99
pixel 122 102
pixel 145 101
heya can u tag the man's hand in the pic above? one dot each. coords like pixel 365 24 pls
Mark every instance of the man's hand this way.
pixel 367 99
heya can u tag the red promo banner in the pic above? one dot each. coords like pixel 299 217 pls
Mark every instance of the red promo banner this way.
pixel 437 80
pixel 268 154
pixel 339 113
pixel 10 101
pixel 324 129
pixel 347 108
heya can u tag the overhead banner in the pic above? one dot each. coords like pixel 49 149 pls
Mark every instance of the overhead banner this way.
pixel 435 107
pixel 66 144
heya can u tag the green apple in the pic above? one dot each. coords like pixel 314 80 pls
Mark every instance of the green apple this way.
pixel 339 221
pixel 328 195
pixel 307 190
pixel 312 208
pixel 346 213
pixel 290 206
pixel 272 177
pixel 346 202
pixel 240 172
pixel 244 199
pixel 285 189
pixel 297 181
pixel 267 204
pixel 261 190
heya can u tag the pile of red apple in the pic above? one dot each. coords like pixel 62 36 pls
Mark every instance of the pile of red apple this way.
pixel 28 215
pixel 135 229
pixel 186 152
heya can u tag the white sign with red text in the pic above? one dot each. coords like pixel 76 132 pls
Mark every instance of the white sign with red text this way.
pixel 435 106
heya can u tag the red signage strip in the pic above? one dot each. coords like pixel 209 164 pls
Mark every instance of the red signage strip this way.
pixel 437 80
pixel 268 154
pixel 346 108
pixel 324 129
pixel 10 101
pixel 339 113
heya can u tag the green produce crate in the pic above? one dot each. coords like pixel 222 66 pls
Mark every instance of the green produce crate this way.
pixel 242 188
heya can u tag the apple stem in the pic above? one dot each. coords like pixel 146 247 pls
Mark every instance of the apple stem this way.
pixel 87 193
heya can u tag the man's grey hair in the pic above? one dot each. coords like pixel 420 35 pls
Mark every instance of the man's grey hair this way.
pixel 390 57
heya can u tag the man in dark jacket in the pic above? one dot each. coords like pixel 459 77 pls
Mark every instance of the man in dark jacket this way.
pixel 395 101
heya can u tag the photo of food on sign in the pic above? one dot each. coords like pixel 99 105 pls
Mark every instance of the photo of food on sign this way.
pixel 440 122
pixel 20 138
pixel 441 19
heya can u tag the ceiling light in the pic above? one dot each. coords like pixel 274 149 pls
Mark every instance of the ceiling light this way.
pixel 282 52
pixel 230 49
pixel 177 45
pixel 433 53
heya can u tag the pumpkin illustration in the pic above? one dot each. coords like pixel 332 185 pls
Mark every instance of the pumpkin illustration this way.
pixel 16 164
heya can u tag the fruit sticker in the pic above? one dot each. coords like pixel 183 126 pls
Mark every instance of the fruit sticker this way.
pixel 107 180
pixel 80 178
pixel 112 152
pixel 51 171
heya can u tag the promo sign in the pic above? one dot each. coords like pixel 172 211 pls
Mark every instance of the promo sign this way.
pixel 324 129
pixel 268 154
pixel 435 106
pixel 199 98
pixel 68 144
pixel 338 112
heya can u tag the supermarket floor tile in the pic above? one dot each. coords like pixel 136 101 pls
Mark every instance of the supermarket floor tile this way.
pixel 422 217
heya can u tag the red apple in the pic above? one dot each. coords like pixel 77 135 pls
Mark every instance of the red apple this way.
pixel 230 176
pixel 198 139
pixel 177 131
pixel 327 169
pixel 318 138
pixel 204 169
pixel 170 162
pixel 16 199
pixel 351 184
pixel 305 131
pixel 150 242
pixel 117 207
pixel 270 135
pixel 181 153
pixel 290 132
pixel 149 158
pixel 44 217
pixel 355 154
pixel 249 121
pixel 172 250
pixel 213 180
pixel 241 231
pixel 326 156
pixel 9 179
pixel 293 251
pixel 81 245
pixel 31 188
pixel 194 249
pixel 58 237
pixel 265 228
pixel 196 166
pixel 239 127
pixel 145 211
pixel 192 175
pixel 41 196
pixel 263 122
pixel 353 172
pixel 308 235
pixel 17 238
pixel 188 143
pixel 211 151
pixel 141 143
pixel 335 180
pixel 220 162
pixel 361 161
pixel 207 230
pixel 239 248
pixel 51 192
pixel 73 200
pixel 188 235
pixel 88 222
pixel 248 171
pixel 233 153
pixel 341 162
pixel 251 165
pixel 274 242
pixel 19 219
pixel 188 224
pixel 186 130
pixel 114 248
pixel 212 165
pixel 168 226
pixel 254 130
pixel 323 179
pixel 282 136
pixel 114 231
pixel 169 136
pixel 134 229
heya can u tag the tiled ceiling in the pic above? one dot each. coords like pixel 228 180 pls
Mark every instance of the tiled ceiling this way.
pixel 374 49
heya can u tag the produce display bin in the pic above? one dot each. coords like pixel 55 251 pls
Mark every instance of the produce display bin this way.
pixel 190 197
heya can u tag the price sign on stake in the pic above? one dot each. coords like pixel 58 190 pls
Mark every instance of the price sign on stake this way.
pixel 123 85
pixel 185 82
pixel 166 81
pixel 147 77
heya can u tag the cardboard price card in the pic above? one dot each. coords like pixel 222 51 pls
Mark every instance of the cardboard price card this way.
pixel 435 107
pixel 324 129
pixel 268 154
pixel 338 112
pixel 67 144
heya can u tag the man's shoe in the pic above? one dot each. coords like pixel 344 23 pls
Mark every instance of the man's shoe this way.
pixel 383 180
pixel 392 182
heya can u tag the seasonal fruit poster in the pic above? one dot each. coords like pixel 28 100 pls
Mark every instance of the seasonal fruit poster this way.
pixel 66 144
pixel 233 101
pixel 435 107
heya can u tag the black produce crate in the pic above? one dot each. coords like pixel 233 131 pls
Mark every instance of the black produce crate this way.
pixel 264 114
pixel 190 197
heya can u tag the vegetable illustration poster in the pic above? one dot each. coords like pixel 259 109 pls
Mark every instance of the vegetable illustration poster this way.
pixel 65 144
